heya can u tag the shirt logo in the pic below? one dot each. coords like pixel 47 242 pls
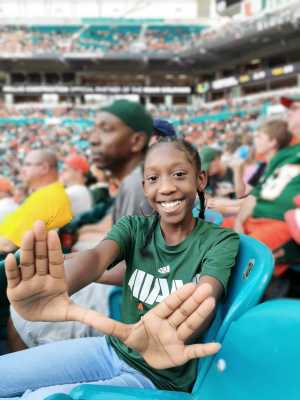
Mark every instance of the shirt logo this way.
pixel 148 289
pixel 164 270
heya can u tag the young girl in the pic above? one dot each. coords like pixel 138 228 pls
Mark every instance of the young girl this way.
pixel 163 253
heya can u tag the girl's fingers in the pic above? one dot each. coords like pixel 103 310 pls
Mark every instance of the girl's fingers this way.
pixel 190 305
pixel 12 270
pixel 41 251
pixel 55 256
pixel 201 350
pixel 98 321
pixel 27 266
pixel 192 324
pixel 173 301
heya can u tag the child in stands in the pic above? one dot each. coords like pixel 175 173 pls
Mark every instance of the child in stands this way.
pixel 177 270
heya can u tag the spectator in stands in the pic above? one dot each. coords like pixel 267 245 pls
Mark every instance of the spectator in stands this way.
pixel 242 161
pixel 292 218
pixel 220 177
pixel 98 182
pixel 48 200
pixel 293 105
pixel 262 212
pixel 118 141
pixel 163 128
pixel 7 202
pixel 118 144
pixel 74 174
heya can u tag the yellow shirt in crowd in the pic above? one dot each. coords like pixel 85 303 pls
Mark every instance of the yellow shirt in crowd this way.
pixel 49 204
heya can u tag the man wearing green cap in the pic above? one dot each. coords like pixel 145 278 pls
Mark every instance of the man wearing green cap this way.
pixel 118 142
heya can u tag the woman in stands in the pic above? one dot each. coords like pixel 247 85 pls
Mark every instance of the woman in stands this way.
pixel 162 310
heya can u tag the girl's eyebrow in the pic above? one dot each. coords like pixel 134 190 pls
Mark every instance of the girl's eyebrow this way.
pixel 176 164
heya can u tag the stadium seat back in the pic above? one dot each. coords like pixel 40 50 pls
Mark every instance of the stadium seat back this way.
pixel 251 275
pixel 213 216
pixel 210 215
pixel 115 302
pixel 259 357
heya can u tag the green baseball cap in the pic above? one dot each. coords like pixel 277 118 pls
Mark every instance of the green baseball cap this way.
pixel 287 101
pixel 208 155
pixel 133 114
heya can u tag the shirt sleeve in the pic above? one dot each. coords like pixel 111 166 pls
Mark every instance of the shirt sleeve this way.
pixel 122 233
pixel 221 258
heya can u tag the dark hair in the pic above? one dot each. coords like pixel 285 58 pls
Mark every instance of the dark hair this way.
pixel 193 156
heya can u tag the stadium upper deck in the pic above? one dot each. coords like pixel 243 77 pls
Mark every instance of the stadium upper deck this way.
pixel 98 39
pixel 188 55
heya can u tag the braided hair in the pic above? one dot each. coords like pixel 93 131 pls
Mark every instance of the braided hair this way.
pixel 193 156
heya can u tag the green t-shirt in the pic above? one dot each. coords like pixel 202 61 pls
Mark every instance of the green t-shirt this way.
pixel 279 185
pixel 208 250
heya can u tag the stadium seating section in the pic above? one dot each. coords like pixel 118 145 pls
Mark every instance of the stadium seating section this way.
pixel 104 38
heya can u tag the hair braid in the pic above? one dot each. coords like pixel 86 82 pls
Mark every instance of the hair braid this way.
pixel 149 234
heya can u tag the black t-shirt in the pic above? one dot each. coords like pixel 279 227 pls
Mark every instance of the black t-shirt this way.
pixel 253 180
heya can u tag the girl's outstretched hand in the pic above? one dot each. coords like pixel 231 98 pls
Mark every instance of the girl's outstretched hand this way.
pixel 37 290
pixel 161 334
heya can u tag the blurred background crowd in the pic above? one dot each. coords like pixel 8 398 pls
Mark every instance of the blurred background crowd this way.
pixel 223 75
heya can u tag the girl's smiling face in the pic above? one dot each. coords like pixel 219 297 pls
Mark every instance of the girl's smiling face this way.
pixel 171 181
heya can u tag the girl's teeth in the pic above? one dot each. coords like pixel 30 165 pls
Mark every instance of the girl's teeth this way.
pixel 170 203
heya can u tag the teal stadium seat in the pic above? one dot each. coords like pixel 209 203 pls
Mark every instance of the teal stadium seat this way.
pixel 210 215
pixel 260 356
pixel 250 277
pixel 114 302
pixel 213 216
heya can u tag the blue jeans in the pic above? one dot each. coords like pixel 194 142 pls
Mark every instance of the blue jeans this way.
pixel 40 371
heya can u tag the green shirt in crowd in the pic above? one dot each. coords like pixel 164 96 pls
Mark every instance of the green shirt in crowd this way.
pixel 149 279
pixel 279 184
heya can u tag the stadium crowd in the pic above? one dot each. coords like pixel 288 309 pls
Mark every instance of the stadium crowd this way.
pixel 227 127
pixel 66 129
pixel 102 39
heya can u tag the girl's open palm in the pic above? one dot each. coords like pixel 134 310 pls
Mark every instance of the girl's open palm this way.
pixel 161 334
pixel 38 292
pixel 37 288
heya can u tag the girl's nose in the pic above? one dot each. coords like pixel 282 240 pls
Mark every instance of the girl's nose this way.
pixel 166 186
